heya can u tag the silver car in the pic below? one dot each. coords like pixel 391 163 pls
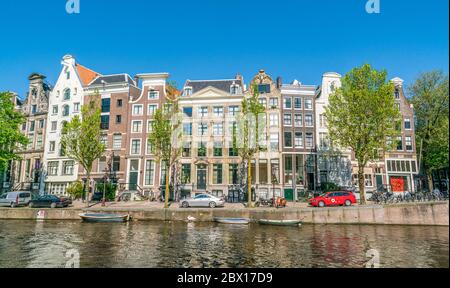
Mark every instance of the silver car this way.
pixel 14 199
pixel 203 200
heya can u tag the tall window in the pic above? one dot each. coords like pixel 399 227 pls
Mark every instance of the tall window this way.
pixel 104 140
pixel 309 140
pixel 137 126
pixel 218 111
pixel 67 94
pixel 55 109
pixel 152 109
pixel 106 105
pixel 52 146
pixel 203 111
pixel 323 121
pixel 234 89
pixel 104 125
pixel 186 149
pixel 76 107
pixel 39 141
pixel 399 143
pixel 117 141
pixel 274 141
pixel 288 169
pixel 119 103
pixel 264 88
pixel 287 102
pixel 138 110
pixel 233 174
pixel 287 119
pixel 201 149
pixel 217 174
pixel 52 168
pixel 66 110
pixel 298 120
pixel 273 120
pixel 101 164
pixel 273 103
pixel 187 129
pixel 298 141
pixel 202 129
pixel 263 101
pixel 233 110
pixel 68 167
pixel 218 129
pixel 118 119
pixel 408 143
pixel 298 103
pixel 308 104
pixel 149 172
pixel 34 109
pixel 217 149
pixel 323 140
pixel 135 146
pixel 186 173
pixel 308 120
pixel 407 123
pixel 116 163
pixel 397 93
pixel 287 139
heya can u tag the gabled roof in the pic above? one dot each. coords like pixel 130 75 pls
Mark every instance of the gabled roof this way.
pixel 223 85
pixel 112 79
pixel 86 75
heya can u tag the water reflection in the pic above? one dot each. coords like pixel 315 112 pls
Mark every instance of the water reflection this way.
pixel 175 244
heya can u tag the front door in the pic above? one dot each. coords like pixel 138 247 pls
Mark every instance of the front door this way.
pixel 133 176
pixel 379 182
pixel 201 177
pixel 289 194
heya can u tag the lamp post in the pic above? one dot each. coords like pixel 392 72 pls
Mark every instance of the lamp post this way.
pixel 104 188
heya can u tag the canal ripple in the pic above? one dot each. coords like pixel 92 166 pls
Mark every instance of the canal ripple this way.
pixel 204 245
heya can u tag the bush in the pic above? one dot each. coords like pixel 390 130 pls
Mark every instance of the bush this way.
pixel 110 190
pixel 75 190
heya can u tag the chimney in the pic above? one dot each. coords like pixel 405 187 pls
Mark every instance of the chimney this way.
pixel 136 81
pixel 279 82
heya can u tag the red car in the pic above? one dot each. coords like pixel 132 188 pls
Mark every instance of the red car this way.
pixel 336 198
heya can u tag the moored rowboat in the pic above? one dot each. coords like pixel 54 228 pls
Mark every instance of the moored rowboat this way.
pixel 104 217
pixel 232 220
pixel 280 222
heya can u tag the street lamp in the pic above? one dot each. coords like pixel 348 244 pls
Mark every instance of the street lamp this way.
pixel 105 177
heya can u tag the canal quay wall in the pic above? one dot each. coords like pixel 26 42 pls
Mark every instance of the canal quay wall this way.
pixel 435 213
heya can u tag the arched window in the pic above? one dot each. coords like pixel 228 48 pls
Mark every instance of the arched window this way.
pixel 67 94
pixel 65 110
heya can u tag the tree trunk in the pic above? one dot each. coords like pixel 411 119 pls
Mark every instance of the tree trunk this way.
pixel 249 183
pixel 88 183
pixel 362 192
pixel 166 204
pixel 430 180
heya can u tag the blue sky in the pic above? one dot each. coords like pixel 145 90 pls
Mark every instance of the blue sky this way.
pixel 207 39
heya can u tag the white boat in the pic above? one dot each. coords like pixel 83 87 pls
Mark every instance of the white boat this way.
pixel 98 217
pixel 280 222
pixel 232 220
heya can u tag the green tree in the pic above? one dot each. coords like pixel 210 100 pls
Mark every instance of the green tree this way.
pixel 429 95
pixel 81 138
pixel 251 130
pixel 164 139
pixel 11 138
pixel 75 190
pixel 362 115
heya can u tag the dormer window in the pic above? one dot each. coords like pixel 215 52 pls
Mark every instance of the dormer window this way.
pixel 234 89
pixel 153 95
pixel 187 91
pixel 34 92
pixel 264 88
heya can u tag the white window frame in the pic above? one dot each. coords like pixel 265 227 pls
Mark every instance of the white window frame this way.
pixel 150 112
pixel 153 91
pixel 114 142
pixel 140 146
pixel 140 126
pixel 134 110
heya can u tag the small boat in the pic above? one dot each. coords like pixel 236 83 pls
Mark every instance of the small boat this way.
pixel 232 220
pixel 104 217
pixel 280 222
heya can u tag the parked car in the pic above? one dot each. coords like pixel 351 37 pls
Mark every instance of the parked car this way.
pixel 15 199
pixel 203 200
pixel 335 198
pixel 49 201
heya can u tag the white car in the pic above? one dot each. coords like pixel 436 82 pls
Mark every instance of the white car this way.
pixel 15 199
pixel 203 200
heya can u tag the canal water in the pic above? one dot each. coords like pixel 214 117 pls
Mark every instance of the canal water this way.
pixel 183 245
